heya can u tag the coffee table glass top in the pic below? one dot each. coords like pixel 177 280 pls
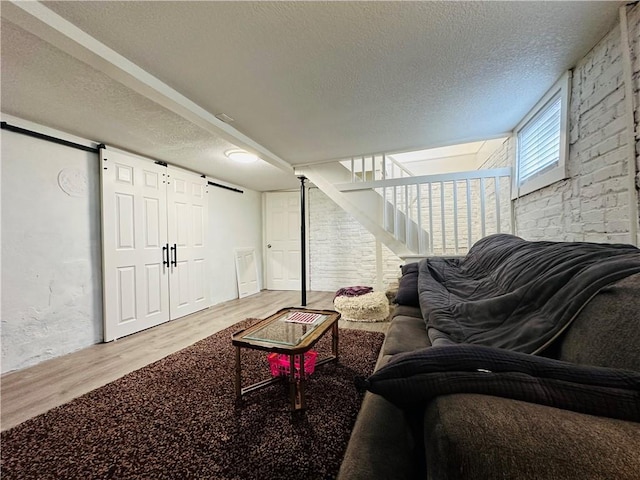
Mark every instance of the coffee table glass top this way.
pixel 289 328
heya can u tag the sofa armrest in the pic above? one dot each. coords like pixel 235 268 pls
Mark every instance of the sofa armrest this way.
pixel 470 436
pixel 381 445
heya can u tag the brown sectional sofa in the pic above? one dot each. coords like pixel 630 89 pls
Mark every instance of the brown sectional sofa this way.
pixel 472 436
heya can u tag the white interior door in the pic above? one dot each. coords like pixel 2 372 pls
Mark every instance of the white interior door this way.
pixel 134 232
pixel 283 241
pixel 188 210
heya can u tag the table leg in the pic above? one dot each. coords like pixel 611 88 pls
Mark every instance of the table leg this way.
pixel 238 375
pixel 296 385
pixel 301 384
pixel 334 340
pixel 301 403
pixel 293 391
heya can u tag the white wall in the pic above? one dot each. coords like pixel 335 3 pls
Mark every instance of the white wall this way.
pixel 51 250
pixel 235 221
pixel 51 267
pixel 458 163
pixel 455 158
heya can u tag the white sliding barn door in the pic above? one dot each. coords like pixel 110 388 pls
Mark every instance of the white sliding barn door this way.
pixel 154 223
pixel 134 232
pixel 188 210
pixel 283 241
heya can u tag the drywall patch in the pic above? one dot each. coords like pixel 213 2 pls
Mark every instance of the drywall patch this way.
pixel 73 182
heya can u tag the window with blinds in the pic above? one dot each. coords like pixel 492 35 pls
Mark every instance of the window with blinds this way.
pixel 541 141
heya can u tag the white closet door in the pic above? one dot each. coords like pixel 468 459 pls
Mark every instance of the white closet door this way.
pixel 188 210
pixel 134 232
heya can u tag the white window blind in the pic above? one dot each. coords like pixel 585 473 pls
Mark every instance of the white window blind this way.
pixel 539 141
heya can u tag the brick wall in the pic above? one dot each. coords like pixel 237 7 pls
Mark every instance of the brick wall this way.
pixel 634 39
pixel 341 251
pixel 593 203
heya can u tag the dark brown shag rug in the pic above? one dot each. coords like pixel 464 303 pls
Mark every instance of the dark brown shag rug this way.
pixel 177 419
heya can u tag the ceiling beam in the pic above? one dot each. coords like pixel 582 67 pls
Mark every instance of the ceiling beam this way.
pixel 39 20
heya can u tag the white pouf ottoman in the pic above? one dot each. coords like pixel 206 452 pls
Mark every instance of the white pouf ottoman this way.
pixel 370 307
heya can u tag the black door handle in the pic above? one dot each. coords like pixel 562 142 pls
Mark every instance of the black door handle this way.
pixel 174 251
pixel 165 258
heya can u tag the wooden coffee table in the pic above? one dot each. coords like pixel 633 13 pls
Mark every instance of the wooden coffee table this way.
pixel 280 333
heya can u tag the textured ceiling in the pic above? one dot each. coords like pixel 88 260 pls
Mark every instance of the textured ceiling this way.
pixel 42 84
pixel 309 81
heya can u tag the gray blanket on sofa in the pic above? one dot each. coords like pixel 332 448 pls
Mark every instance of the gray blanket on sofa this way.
pixel 515 294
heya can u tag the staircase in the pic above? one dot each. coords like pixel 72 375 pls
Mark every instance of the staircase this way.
pixel 417 215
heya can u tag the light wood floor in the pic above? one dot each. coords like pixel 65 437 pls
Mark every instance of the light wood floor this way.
pixel 32 391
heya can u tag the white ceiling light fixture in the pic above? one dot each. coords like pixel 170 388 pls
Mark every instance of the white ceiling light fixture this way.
pixel 241 156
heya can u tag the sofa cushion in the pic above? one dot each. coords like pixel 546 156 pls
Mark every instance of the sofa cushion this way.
pixel 480 437
pixel 413 379
pixel 405 334
pixel 407 311
pixel 381 445
pixel 607 331
pixel 407 293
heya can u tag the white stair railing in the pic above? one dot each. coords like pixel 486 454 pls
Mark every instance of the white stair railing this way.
pixel 439 214
pixel 382 167
pixel 375 167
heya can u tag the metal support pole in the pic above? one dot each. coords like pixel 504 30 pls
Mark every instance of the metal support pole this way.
pixel 303 242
